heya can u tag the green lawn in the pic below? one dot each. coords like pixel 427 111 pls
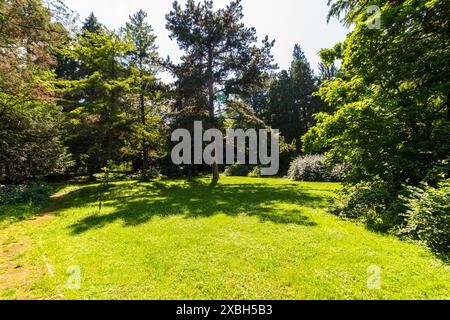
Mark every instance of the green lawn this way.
pixel 244 239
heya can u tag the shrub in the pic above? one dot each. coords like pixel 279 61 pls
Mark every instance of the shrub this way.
pixel 110 176
pixel 255 173
pixel 314 168
pixel 237 170
pixel 152 173
pixel 339 172
pixel 372 203
pixel 428 217
pixel 14 194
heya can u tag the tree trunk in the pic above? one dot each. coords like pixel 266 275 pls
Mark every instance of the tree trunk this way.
pixel 215 172
pixel 215 166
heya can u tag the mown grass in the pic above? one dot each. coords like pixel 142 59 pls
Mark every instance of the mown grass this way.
pixel 244 239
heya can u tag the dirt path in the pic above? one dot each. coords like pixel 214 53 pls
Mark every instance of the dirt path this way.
pixel 16 273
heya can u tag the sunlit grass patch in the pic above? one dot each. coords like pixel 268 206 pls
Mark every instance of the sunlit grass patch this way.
pixel 244 239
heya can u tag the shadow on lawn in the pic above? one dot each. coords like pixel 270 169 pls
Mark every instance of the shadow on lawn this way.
pixel 138 203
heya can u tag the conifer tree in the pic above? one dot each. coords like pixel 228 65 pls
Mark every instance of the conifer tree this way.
pixel 221 54
pixel 142 59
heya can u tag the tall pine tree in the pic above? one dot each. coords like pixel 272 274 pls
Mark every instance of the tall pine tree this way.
pixel 221 54
pixel 291 103
pixel 99 96
pixel 142 58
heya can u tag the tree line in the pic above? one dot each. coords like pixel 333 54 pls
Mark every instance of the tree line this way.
pixel 73 101
pixel 391 116
pixel 77 99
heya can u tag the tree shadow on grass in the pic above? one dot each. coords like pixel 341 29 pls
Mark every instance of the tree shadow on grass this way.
pixel 138 203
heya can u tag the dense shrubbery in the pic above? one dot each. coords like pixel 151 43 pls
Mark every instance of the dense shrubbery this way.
pixel 150 174
pixel 395 136
pixel 20 202
pixel 428 217
pixel 426 211
pixel 241 170
pixel 309 168
pixel 237 170
pixel 368 202
pixel 255 173
pixel 314 168
pixel 14 194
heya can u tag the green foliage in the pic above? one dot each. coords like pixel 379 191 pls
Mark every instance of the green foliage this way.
pixel 438 171
pixel 255 173
pixel 31 144
pixel 113 172
pixel 288 152
pixel 314 168
pixel 392 101
pixel 220 37
pixel 428 217
pixel 291 102
pixel 114 103
pixel 373 203
pixel 140 35
pixel 148 136
pixel 221 55
pixel 15 194
pixel 96 99
pixel 116 173
pixel 11 213
pixel 30 123
pixel 152 173
pixel 237 170
pixel 28 40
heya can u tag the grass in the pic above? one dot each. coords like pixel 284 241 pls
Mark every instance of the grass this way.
pixel 246 238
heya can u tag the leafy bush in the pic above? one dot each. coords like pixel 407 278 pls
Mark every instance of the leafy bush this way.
pixel 255 173
pixel 314 168
pixel 372 203
pixel 438 171
pixel 110 176
pixel 152 173
pixel 428 217
pixel 125 167
pixel 14 194
pixel 122 172
pixel 339 172
pixel 237 170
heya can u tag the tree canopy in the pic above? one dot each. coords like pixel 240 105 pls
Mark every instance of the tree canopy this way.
pixel 392 96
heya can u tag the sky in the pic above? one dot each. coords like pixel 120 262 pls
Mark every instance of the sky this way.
pixel 286 21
